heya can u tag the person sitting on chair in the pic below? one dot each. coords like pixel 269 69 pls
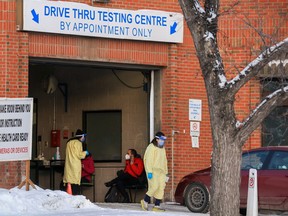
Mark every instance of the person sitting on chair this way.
pixel 133 169
pixel 87 166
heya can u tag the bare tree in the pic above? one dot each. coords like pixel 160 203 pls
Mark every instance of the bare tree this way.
pixel 228 133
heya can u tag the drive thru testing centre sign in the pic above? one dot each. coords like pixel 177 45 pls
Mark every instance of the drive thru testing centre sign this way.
pixel 80 19
pixel 16 116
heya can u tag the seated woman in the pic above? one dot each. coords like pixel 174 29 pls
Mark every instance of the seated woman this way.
pixel 133 169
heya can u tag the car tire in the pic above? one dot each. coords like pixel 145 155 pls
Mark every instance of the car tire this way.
pixel 197 198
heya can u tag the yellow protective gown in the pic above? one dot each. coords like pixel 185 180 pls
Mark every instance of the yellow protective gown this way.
pixel 155 162
pixel 74 154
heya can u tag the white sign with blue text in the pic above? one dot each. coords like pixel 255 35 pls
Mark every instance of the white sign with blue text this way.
pixel 195 110
pixel 16 121
pixel 80 19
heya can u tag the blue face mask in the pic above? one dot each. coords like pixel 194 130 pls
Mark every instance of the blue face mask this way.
pixel 161 143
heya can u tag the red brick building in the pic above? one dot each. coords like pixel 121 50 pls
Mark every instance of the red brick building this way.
pixel 90 68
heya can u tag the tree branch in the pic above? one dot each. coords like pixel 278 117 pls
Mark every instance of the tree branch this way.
pixel 256 65
pixel 260 113
pixel 192 10
pixel 211 9
pixel 203 27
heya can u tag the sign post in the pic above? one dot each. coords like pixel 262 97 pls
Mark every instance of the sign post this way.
pixel 252 198
pixel 27 181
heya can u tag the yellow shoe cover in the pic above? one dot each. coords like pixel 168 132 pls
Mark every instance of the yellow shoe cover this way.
pixel 144 205
pixel 157 209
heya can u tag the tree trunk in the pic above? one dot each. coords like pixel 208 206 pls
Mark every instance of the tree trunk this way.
pixel 225 177
pixel 227 155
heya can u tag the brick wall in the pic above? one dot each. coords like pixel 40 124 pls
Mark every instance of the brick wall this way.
pixel 14 78
pixel 182 78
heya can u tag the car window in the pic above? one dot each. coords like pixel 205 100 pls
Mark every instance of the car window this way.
pixel 279 161
pixel 253 160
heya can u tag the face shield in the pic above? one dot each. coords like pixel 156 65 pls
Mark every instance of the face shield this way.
pixel 161 141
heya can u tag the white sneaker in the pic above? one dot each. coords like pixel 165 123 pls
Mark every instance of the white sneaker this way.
pixel 144 205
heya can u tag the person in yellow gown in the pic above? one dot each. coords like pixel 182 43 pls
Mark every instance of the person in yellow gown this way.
pixel 73 166
pixel 155 163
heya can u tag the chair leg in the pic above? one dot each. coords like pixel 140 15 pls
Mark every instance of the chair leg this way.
pixel 94 193
pixel 136 189
pixel 130 194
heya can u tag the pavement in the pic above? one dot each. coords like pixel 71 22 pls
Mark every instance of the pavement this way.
pixel 169 207
pixel 175 208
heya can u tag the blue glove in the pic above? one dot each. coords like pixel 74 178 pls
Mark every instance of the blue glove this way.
pixel 87 153
pixel 150 176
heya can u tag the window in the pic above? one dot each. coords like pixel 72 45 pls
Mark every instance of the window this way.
pixel 279 161
pixel 275 128
pixel 275 125
pixel 255 160
pixel 104 139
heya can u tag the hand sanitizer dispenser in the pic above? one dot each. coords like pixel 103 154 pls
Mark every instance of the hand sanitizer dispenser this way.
pixel 57 154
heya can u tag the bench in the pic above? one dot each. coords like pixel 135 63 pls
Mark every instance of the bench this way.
pixel 135 187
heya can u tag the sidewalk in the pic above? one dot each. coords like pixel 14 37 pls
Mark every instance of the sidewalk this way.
pixel 169 207
pixel 173 208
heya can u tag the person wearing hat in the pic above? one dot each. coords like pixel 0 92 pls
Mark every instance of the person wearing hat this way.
pixel 155 163
pixel 73 166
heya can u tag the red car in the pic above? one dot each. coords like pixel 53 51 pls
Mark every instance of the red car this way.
pixel 271 163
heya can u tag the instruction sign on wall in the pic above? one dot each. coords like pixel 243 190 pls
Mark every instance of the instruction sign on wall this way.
pixel 16 116
pixel 63 17
pixel 195 142
pixel 195 129
pixel 195 110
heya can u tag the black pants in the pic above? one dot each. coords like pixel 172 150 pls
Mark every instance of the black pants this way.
pixel 75 188
pixel 124 179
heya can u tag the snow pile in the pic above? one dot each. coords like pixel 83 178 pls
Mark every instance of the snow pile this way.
pixel 16 201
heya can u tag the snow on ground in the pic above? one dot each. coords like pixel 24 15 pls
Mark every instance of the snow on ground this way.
pixel 47 202
pixel 42 202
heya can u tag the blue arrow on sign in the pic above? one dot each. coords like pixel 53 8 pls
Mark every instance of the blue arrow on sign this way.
pixel 35 16
pixel 173 28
